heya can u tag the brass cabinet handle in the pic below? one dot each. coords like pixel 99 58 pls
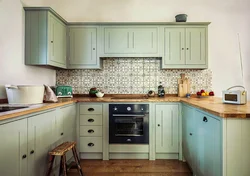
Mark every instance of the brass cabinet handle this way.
pixel 91 144
pixel 91 120
pixel 91 131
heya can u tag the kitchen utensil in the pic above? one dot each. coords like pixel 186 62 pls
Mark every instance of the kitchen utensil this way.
pixel 99 94
pixel 64 91
pixel 181 18
pixel 25 94
pixel 183 86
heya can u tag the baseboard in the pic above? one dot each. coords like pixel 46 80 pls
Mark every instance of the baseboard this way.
pixel 91 155
pixel 166 156
pixel 128 156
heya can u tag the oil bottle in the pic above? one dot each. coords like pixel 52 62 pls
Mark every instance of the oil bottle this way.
pixel 161 91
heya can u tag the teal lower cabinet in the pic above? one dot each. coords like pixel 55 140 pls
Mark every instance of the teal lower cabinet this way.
pixel 202 142
pixel 167 130
pixel 13 148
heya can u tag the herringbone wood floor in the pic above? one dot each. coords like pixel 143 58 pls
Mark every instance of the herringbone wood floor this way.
pixel 133 168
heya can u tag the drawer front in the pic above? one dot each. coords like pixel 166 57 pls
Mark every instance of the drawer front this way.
pixel 90 144
pixel 90 109
pixel 90 119
pixel 90 130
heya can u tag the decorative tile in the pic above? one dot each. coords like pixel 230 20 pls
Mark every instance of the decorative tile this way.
pixel 132 76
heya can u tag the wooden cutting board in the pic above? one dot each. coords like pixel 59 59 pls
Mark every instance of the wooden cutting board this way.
pixel 183 86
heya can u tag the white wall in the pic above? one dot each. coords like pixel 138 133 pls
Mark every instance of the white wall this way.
pixel 227 17
pixel 12 68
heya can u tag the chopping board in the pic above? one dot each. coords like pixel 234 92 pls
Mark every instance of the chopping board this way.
pixel 183 86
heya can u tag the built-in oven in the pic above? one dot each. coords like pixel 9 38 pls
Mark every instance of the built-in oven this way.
pixel 128 123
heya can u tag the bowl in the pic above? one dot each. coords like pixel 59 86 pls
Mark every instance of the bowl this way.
pixel 99 94
pixel 181 18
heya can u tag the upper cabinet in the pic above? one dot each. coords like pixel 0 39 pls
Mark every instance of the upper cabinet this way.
pixel 45 38
pixel 83 49
pixel 185 47
pixel 129 41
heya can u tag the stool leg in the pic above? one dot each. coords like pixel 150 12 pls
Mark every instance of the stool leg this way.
pixel 61 166
pixel 51 161
pixel 64 165
pixel 77 160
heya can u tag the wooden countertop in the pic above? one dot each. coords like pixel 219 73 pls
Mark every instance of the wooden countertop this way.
pixel 211 105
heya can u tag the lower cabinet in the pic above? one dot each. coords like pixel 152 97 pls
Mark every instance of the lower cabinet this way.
pixel 25 143
pixel 202 142
pixel 167 130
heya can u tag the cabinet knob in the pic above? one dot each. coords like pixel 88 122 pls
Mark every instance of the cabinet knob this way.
pixel 61 134
pixel 159 125
pixel 182 48
pixel 91 131
pixel 187 48
pixel 24 156
pixel 93 48
pixel 190 134
pixel 91 109
pixel 91 120
pixel 52 41
pixel 91 144
pixel 32 151
pixel 205 119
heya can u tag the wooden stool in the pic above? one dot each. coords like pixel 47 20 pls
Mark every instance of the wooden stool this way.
pixel 61 151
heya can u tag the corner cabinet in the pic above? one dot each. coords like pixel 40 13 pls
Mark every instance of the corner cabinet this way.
pixel 185 47
pixel 45 38
pixel 129 41
pixel 83 47
pixel 167 130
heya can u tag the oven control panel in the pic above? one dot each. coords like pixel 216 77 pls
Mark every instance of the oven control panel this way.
pixel 129 108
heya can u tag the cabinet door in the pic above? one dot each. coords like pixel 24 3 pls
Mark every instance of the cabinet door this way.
pixel 208 146
pixel 167 129
pixel 144 40
pixel 188 135
pixel 116 40
pixel 13 137
pixel 174 46
pixel 57 41
pixel 40 140
pixel 83 47
pixel 196 46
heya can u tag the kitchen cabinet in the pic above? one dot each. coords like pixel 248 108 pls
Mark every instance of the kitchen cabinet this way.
pixel 185 47
pixel 189 135
pixel 167 122
pixel 14 149
pixel 129 41
pixel 208 141
pixel 83 47
pixel 45 38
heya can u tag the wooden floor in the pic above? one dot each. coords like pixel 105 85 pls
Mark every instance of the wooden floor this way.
pixel 133 168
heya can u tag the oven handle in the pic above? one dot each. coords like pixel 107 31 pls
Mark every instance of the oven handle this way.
pixel 127 115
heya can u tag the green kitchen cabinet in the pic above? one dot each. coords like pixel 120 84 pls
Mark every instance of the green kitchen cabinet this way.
pixel 40 139
pixel 185 47
pixel 208 142
pixel 189 135
pixel 83 47
pixel 167 130
pixel 45 38
pixel 129 41
pixel 14 153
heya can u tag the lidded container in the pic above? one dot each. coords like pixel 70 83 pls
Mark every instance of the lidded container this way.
pixel 25 94
pixel 181 18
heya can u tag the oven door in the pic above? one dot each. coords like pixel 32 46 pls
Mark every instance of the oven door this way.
pixel 128 128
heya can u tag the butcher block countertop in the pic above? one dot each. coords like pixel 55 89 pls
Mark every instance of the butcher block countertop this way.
pixel 211 105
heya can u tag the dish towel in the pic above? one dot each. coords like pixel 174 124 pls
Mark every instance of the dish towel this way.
pixel 49 95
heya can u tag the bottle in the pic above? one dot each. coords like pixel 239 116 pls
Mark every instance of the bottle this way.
pixel 161 91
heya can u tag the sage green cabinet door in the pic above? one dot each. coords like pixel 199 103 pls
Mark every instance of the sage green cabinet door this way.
pixel 40 140
pixel 174 46
pixel 13 137
pixel 208 156
pixel 116 40
pixel 196 46
pixel 57 42
pixel 83 47
pixel 167 129
pixel 189 136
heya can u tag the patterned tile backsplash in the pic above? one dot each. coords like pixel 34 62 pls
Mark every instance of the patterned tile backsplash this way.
pixel 132 76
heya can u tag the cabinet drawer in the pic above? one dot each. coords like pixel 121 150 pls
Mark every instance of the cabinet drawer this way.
pixel 90 109
pixel 90 144
pixel 90 130
pixel 90 119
